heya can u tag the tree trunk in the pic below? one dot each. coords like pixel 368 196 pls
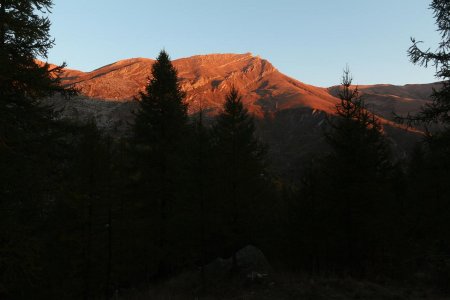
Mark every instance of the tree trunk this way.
pixel 87 275
pixel 109 255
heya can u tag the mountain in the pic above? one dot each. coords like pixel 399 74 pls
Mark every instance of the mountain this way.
pixel 290 114
pixel 207 78
pixel 384 99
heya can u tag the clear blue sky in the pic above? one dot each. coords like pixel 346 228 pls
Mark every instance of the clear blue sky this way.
pixel 310 40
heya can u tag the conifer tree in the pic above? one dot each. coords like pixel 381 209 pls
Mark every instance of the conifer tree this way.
pixel 25 123
pixel 162 115
pixel 78 226
pixel 356 134
pixel 159 130
pixel 240 167
pixel 24 36
pixel 93 168
pixel 26 134
pixel 429 175
pixel 437 142
pixel 201 157
pixel 355 175
pixel 438 111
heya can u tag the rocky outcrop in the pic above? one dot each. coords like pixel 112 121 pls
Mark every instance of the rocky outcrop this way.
pixel 251 265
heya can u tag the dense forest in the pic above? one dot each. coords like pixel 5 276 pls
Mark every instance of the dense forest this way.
pixel 86 215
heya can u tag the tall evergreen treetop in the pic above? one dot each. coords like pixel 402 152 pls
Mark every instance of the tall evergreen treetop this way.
pixel 356 136
pixel 353 183
pixel 438 111
pixel 28 168
pixel 235 129
pixel 159 136
pixel 163 113
pixel 24 81
pixel 240 168
pixel 24 36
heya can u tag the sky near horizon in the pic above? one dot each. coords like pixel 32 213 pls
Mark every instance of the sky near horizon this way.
pixel 310 40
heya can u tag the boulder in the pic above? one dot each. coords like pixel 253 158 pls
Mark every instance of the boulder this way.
pixel 251 263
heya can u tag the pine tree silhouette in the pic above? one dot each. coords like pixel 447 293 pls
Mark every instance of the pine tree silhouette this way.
pixel 159 130
pixel 27 133
pixel 438 111
pixel 240 166
pixel 429 175
pixel 355 175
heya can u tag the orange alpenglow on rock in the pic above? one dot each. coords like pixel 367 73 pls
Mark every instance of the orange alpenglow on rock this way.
pixel 207 78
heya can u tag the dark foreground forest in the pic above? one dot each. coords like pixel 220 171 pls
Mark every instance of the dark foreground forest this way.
pixel 189 206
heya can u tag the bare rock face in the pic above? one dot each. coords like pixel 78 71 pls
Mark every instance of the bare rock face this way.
pixel 120 81
pixel 112 116
pixel 206 79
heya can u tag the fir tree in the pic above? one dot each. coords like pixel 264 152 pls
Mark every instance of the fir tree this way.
pixel 356 134
pixel 240 167
pixel 354 182
pixel 93 168
pixel 438 111
pixel 162 116
pixel 201 178
pixel 27 135
pixel 24 36
pixel 429 175
pixel 159 130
